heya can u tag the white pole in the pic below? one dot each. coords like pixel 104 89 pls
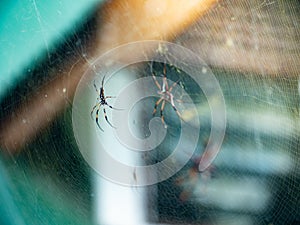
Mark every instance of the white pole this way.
pixel 114 203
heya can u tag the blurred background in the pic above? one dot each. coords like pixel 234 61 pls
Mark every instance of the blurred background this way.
pixel 252 47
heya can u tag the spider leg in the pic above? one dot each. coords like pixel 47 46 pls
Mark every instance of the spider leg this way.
pixel 104 111
pixel 161 112
pixel 174 107
pixel 155 106
pixel 179 100
pixel 178 114
pixel 165 77
pixel 110 97
pixel 173 85
pixel 154 78
pixel 97 115
pixel 102 83
pixel 94 109
pixel 112 107
pixel 95 86
pixel 156 82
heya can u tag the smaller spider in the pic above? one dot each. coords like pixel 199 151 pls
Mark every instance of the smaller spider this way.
pixel 165 93
pixel 101 101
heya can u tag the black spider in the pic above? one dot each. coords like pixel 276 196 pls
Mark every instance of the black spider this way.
pixel 101 101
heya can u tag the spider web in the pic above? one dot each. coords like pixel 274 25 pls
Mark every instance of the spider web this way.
pixel 253 50
pixel 259 160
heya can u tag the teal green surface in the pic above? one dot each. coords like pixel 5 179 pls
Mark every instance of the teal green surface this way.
pixel 28 198
pixel 46 184
pixel 29 29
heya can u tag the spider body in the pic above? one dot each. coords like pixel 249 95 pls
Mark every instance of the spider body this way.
pixel 101 101
pixel 165 93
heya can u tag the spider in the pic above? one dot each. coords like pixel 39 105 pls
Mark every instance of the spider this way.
pixel 101 101
pixel 165 93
